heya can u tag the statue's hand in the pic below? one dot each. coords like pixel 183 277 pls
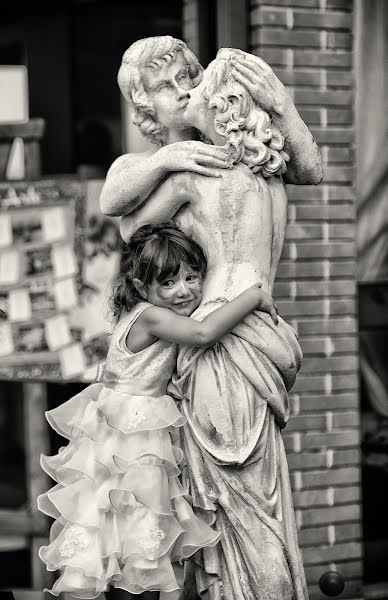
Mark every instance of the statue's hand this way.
pixel 265 302
pixel 261 82
pixel 193 156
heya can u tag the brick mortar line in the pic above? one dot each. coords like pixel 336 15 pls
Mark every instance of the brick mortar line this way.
pixel 312 280
pixel 325 356
pixel 318 525
pixel 325 507
pixel 301 28
pixel 310 9
pixel 324 471
pixel 320 431
pixel 320 414
pixel 317 298
pixel 337 221
pixel 316 373
pixel 319 395
pixel 285 46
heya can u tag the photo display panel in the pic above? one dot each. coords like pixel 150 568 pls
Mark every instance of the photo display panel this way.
pixel 46 298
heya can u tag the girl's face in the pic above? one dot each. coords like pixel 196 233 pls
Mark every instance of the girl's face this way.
pixel 181 293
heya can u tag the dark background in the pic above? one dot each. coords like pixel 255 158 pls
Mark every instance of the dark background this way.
pixel 73 51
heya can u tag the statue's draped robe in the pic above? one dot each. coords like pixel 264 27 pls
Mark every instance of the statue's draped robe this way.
pixel 235 392
pixel 235 402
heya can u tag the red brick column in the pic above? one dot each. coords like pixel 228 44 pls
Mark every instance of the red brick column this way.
pixel 309 45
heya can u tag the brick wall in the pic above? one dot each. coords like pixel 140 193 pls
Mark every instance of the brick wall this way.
pixel 309 45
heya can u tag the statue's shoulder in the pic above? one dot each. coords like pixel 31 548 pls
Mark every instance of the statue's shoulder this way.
pixel 238 174
pixel 128 160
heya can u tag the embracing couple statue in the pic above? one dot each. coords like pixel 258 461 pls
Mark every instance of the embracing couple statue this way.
pixel 227 139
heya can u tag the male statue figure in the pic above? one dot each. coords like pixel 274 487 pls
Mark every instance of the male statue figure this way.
pixel 234 395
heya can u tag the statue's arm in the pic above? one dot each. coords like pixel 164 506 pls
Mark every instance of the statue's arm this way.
pixel 175 191
pixel 305 166
pixel 129 181
pixel 133 177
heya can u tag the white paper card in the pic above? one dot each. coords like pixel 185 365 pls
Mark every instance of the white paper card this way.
pixel 5 230
pixel 57 332
pixel 72 361
pixel 9 267
pixel 6 339
pixel 54 224
pixel 65 292
pixel 14 94
pixel 64 261
pixel 19 305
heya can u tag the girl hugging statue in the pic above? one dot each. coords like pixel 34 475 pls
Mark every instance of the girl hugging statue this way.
pixel 234 393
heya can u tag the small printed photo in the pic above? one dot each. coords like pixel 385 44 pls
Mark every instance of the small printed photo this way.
pixel 42 300
pixel 95 350
pixel 26 228
pixel 30 338
pixel 76 334
pixel 38 261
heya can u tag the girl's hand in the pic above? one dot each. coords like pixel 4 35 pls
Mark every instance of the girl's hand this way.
pixel 261 82
pixel 193 156
pixel 265 302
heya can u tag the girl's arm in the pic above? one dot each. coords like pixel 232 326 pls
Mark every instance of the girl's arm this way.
pixel 133 177
pixel 165 324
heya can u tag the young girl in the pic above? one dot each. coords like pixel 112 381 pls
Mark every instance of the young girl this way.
pixel 121 513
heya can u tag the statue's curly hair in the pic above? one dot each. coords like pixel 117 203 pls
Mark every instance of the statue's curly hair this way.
pixel 151 52
pixel 248 130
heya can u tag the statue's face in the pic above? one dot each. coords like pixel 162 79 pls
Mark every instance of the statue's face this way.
pixel 197 113
pixel 167 88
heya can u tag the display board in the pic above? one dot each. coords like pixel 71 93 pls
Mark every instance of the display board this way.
pixel 56 256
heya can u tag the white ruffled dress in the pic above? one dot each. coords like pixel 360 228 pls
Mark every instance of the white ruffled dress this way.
pixel 121 516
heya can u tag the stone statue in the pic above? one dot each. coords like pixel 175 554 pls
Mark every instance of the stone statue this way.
pixel 234 395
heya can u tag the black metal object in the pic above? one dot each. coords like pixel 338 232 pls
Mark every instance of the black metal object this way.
pixel 332 583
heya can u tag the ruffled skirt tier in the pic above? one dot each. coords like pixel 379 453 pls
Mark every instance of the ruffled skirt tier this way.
pixel 121 516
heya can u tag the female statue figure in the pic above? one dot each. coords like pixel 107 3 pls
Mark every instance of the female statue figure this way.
pixel 234 395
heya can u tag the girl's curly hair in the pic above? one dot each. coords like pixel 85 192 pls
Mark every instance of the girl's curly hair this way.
pixel 153 252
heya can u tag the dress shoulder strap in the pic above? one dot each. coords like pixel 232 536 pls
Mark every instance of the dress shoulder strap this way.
pixel 129 319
